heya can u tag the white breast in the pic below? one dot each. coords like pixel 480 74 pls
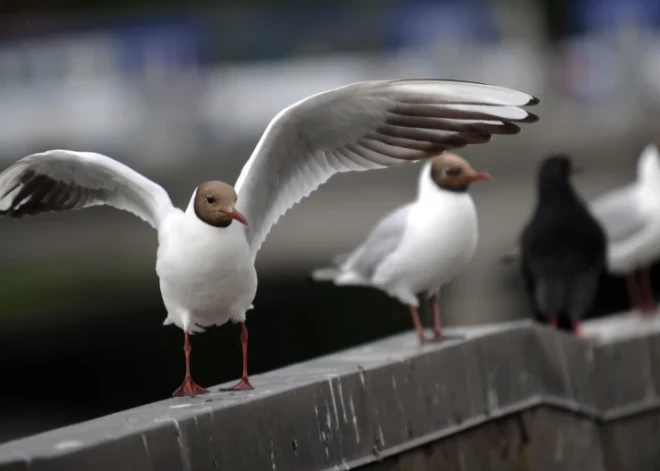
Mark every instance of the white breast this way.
pixel 439 241
pixel 207 274
pixel 642 247
pixel 634 213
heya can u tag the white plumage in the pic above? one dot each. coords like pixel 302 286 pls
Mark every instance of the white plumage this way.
pixel 207 273
pixel 630 216
pixel 416 248
pixel 438 237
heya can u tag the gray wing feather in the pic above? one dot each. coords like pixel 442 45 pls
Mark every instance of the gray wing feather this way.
pixel 384 238
pixel 60 180
pixel 363 126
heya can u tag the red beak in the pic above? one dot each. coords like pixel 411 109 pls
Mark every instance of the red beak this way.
pixel 235 214
pixel 479 176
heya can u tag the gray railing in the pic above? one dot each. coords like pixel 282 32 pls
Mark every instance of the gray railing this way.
pixel 563 401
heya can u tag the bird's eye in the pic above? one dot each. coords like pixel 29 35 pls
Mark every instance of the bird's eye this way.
pixel 452 171
pixel 210 199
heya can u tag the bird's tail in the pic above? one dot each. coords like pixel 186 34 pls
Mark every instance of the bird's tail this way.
pixel 325 274
pixel 339 277
pixel 339 273
pixel 333 272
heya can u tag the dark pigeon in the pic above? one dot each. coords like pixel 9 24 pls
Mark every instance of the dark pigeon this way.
pixel 563 248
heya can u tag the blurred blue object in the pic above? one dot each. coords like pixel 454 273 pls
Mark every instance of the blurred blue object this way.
pixel 240 31
pixel 425 22
pixel 178 41
pixel 588 16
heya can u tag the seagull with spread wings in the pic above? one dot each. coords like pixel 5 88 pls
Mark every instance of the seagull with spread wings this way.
pixel 205 261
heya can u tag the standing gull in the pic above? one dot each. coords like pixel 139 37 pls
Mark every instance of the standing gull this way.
pixel 205 262
pixel 420 246
pixel 631 218
pixel 563 247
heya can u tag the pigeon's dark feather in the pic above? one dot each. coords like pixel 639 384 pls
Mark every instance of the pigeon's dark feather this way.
pixel 563 246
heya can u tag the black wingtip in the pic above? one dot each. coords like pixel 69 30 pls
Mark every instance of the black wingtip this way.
pixel 533 101
pixel 478 138
pixel 509 129
pixel 10 213
pixel 453 142
pixel 531 118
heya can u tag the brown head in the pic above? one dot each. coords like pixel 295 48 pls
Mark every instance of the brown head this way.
pixel 453 173
pixel 215 204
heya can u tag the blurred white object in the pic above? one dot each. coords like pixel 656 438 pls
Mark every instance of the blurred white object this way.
pixel 630 217
pixel 620 327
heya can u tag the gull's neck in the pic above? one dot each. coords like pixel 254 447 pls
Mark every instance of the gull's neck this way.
pixel 234 233
pixel 191 204
pixel 425 185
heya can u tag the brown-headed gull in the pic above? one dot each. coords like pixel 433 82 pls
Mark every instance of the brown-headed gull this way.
pixel 205 263
pixel 630 216
pixel 420 246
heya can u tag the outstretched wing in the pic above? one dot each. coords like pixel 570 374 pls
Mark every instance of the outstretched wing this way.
pixel 363 126
pixel 59 180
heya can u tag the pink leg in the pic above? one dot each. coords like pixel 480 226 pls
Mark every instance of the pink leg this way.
pixel 418 324
pixel 188 387
pixel 577 329
pixel 553 322
pixel 648 303
pixel 437 331
pixel 244 383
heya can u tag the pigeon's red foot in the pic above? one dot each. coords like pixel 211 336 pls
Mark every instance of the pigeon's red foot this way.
pixel 438 336
pixel 189 388
pixel 577 330
pixel 423 339
pixel 242 385
pixel 647 309
pixel 553 322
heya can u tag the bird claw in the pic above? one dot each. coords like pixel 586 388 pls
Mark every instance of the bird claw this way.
pixel 577 330
pixel 424 340
pixel 189 388
pixel 647 310
pixel 439 337
pixel 242 385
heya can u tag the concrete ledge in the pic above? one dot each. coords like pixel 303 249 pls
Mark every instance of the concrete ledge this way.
pixel 538 438
pixel 360 406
